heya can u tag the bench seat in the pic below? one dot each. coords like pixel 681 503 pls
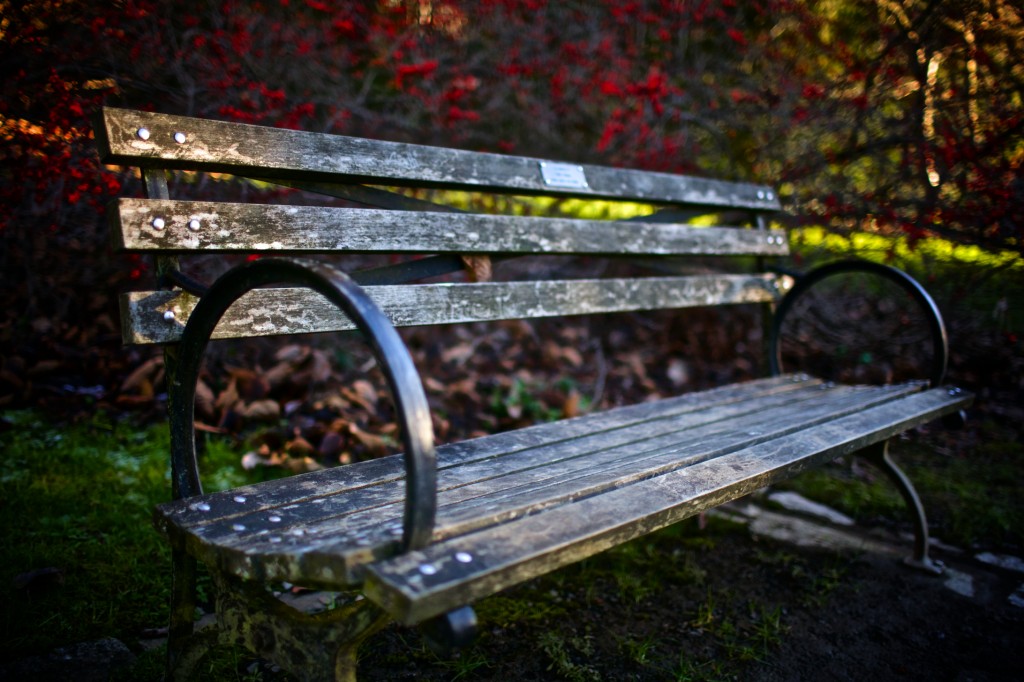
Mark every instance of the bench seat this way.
pixel 515 505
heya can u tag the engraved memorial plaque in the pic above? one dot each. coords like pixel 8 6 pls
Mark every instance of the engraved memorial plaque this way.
pixel 563 175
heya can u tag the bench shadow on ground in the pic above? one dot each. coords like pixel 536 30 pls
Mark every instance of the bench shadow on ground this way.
pixel 762 592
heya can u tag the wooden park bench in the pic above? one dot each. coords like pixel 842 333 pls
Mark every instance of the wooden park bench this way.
pixel 425 534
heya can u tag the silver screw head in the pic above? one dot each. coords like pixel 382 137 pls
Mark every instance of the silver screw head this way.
pixel 180 137
pixel 194 224
pixel 142 133
pixel 463 557
pixel 428 569
pixel 158 223
pixel 169 315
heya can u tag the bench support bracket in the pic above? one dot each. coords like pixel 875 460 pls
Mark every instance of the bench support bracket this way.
pixel 314 647
pixel 878 455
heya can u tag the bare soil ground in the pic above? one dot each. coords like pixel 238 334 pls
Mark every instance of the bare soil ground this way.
pixel 735 606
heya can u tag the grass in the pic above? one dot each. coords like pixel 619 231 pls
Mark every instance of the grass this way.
pixel 79 501
pixel 972 496
pixel 76 507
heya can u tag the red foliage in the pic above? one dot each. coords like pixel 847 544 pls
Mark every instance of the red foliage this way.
pixel 775 91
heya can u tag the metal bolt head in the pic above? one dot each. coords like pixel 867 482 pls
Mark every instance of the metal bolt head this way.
pixel 194 224
pixel 158 223
pixel 169 315
pixel 142 133
pixel 760 194
pixel 463 557
pixel 428 569
pixel 180 137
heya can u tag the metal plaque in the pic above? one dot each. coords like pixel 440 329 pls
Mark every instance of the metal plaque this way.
pixel 563 175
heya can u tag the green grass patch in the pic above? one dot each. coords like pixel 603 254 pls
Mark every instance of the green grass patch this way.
pixel 972 499
pixel 78 501
pixel 76 505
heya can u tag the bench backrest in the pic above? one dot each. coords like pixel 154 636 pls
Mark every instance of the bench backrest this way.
pixel 431 239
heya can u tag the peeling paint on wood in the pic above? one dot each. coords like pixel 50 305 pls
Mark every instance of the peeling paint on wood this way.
pixel 266 312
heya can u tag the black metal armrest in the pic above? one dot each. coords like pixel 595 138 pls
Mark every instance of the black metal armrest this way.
pixel 406 389
pixel 804 283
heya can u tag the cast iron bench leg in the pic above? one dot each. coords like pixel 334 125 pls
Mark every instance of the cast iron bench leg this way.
pixel 878 455
pixel 314 647
pixel 183 650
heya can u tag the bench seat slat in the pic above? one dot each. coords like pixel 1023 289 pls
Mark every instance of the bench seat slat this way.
pixel 264 152
pixel 499 557
pixel 260 497
pixel 531 489
pixel 267 312
pixel 223 227
pixel 370 508
pixel 320 535
pixel 508 483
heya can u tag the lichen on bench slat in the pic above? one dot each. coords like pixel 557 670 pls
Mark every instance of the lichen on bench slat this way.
pixel 216 227
pixel 159 316
pixel 264 152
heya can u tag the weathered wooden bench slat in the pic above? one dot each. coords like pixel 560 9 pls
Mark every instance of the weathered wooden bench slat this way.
pixel 423 583
pixel 332 537
pixel 517 483
pixel 248 509
pixel 264 312
pixel 178 226
pixel 215 146
pixel 365 509
pixel 333 481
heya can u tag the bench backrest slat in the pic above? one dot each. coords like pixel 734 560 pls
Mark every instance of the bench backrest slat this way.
pixel 266 312
pixel 255 151
pixel 153 225
pixel 424 239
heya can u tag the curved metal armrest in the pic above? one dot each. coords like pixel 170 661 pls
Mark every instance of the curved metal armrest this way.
pixel 392 356
pixel 804 283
